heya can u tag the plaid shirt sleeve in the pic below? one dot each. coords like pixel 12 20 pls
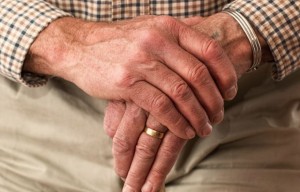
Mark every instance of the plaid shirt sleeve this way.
pixel 20 23
pixel 279 23
pixel 22 20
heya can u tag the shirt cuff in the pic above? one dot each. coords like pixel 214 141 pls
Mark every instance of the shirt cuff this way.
pixel 20 24
pixel 278 22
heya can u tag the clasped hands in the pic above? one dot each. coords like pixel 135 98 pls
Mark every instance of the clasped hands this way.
pixel 169 75
pixel 142 161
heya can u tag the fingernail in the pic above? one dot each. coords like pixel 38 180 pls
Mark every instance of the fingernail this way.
pixel 206 130
pixel 190 133
pixel 219 117
pixel 147 187
pixel 230 94
pixel 126 188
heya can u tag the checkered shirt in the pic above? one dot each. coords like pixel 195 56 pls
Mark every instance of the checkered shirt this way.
pixel 22 20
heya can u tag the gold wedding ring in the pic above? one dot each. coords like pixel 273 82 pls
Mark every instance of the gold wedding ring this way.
pixel 153 133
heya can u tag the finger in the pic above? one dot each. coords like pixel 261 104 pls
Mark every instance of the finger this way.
pixel 113 116
pixel 126 137
pixel 144 156
pixel 162 108
pixel 181 93
pixel 165 159
pixel 211 53
pixel 204 87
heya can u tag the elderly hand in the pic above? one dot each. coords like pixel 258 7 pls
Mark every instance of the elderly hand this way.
pixel 143 159
pixel 137 155
pixel 153 62
pixel 225 30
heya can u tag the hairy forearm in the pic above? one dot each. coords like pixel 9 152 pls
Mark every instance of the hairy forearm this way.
pixel 50 52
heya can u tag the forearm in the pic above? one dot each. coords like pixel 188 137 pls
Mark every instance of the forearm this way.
pixel 52 51
pixel 21 22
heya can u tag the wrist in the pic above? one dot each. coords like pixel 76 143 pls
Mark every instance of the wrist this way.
pixel 53 52
pixel 228 32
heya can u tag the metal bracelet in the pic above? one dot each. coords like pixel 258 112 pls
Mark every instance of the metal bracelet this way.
pixel 251 35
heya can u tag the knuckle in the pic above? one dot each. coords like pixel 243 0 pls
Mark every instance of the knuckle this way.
pixel 200 76
pixel 158 175
pixel 157 36
pixel 178 123
pixel 167 20
pixel 121 146
pixel 134 177
pixel 181 90
pixel 160 104
pixel 151 122
pixel 136 113
pixel 211 48
pixel 198 72
pixel 145 151
pixel 151 37
pixel 125 79
pixel 171 151
pixel 154 66
pixel 137 53
pixel 148 36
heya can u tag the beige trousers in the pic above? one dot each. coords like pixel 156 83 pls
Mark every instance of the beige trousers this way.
pixel 51 140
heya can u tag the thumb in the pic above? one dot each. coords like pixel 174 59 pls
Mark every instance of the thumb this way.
pixel 113 115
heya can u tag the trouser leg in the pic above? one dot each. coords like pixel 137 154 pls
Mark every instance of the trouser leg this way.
pixel 255 148
pixel 51 139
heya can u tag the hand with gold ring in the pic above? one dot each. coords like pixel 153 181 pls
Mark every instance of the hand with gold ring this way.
pixel 141 158
pixel 143 154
